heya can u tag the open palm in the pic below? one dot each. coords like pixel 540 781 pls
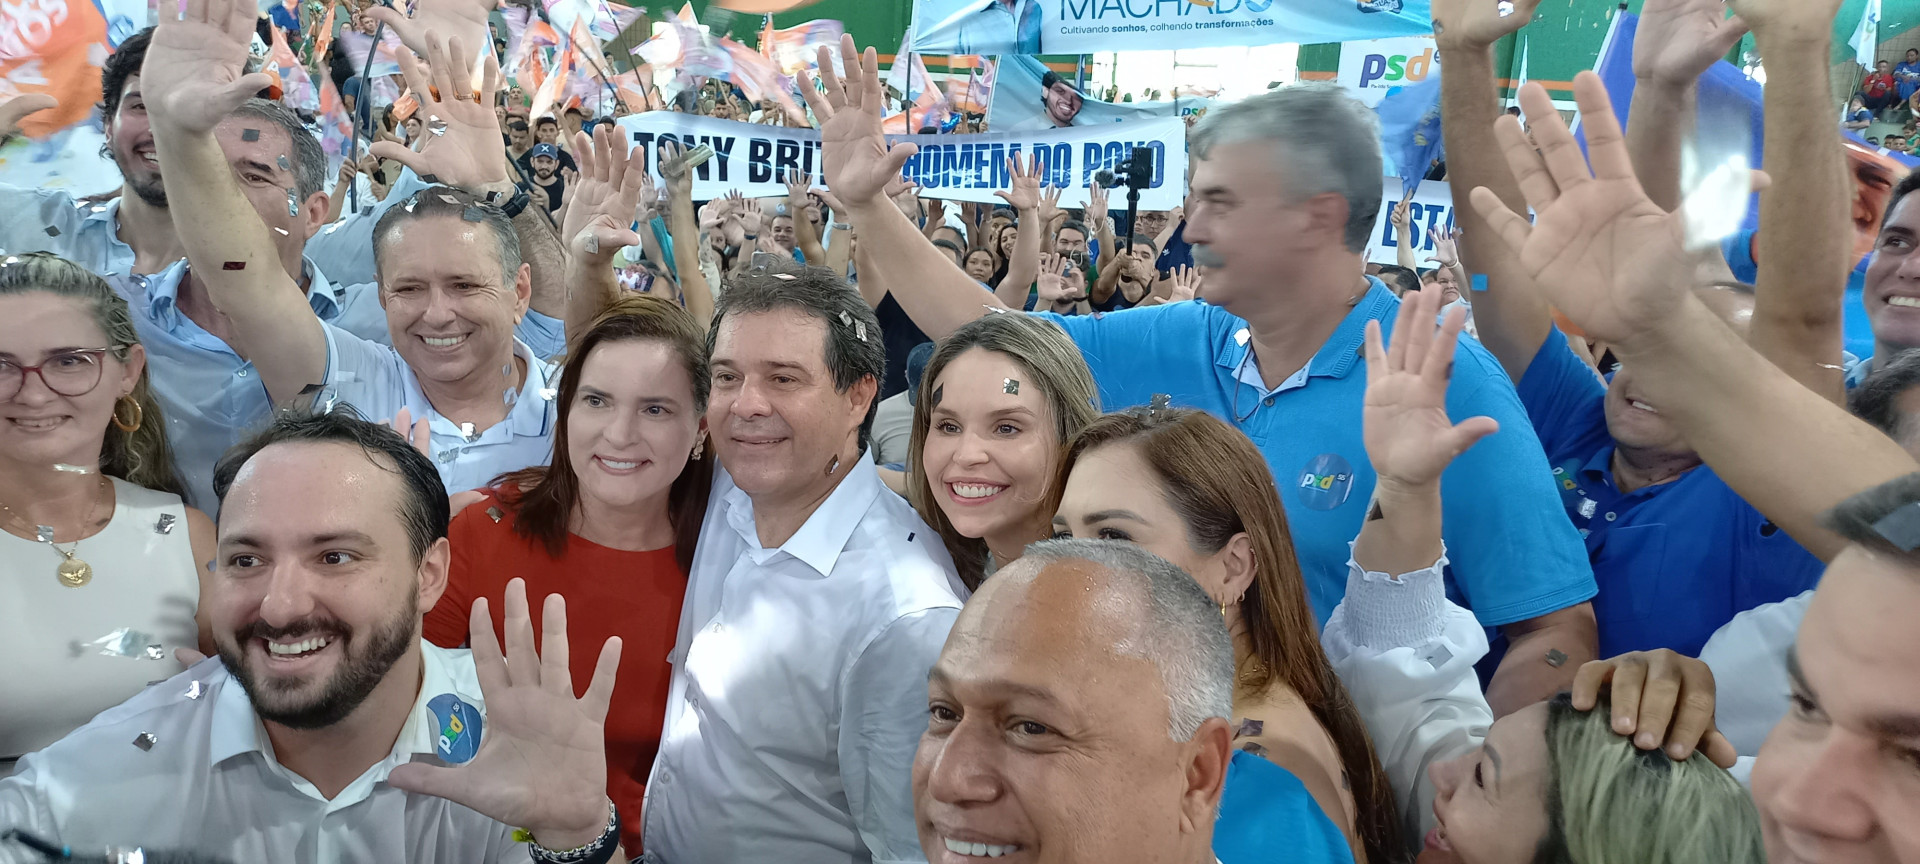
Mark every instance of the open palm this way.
pixel 1477 22
pixel 463 146
pixel 542 762
pixel 605 195
pixel 196 66
pixel 1600 250
pixel 462 19
pixel 1679 39
pixel 1410 440
pixel 854 152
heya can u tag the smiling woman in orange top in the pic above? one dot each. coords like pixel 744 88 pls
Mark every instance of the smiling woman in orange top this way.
pixel 610 525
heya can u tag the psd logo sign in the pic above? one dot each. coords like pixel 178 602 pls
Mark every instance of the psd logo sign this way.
pixel 1371 68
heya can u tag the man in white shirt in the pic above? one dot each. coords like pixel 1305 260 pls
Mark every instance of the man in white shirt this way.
pixel 325 730
pixel 989 27
pixel 817 602
pixel 482 399
pixel 1079 714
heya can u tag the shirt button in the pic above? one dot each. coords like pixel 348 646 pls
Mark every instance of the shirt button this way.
pixel 1269 401
pixel 242 373
pixel 1611 516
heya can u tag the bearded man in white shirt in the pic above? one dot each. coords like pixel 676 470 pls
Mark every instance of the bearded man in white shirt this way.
pixel 817 603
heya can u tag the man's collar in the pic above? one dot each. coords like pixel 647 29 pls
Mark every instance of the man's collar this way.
pixel 1340 354
pixel 236 729
pixel 821 539
pixel 107 211
pixel 163 289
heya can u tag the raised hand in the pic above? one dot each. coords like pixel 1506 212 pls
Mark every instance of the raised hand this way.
pixel 1660 698
pixel 1807 18
pixel 797 185
pixel 905 195
pixel 1409 437
pixel 1053 286
pixel 1601 251
pixel 1477 23
pixel 604 197
pixel 680 185
pixel 463 146
pixel 1096 206
pixel 1025 194
pixel 465 20
pixel 20 106
pixel 854 153
pixel 1446 246
pixel 542 763
pixel 199 73
pixel 1679 39
pixel 1399 217
pixel 418 433
pixel 1049 205
pixel 1186 284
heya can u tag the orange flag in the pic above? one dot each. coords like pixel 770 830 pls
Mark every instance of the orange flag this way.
pixel 53 47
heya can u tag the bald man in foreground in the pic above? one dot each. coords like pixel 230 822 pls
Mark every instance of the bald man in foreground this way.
pixel 1078 714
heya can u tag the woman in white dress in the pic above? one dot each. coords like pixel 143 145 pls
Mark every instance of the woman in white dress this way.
pixel 100 562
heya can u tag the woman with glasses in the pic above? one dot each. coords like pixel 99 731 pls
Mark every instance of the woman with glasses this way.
pixel 101 564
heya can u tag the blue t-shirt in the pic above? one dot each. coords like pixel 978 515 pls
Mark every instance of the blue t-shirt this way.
pixel 1673 561
pixel 1267 815
pixel 1857 327
pixel 1515 556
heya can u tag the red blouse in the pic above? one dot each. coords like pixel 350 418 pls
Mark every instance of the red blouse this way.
pixel 610 592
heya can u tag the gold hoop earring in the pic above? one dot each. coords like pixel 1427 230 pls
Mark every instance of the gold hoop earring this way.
pixel 139 415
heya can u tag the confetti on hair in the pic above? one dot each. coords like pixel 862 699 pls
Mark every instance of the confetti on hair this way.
pixel 1160 402
pixel 450 200
pixel 784 277
pixel 471 213
pixel 430 179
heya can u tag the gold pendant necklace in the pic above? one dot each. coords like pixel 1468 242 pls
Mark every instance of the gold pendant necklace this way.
pixel 72 572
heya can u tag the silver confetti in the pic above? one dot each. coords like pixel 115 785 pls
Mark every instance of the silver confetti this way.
pixel 99 208
pixel 451 201
pixel 510 396
pixel 72 469
pixel 293 204
pixel 283 232
pixel 846 319
pixel 124 642
pixel 1556 658
pixel 281 161
pixel 146 740
pixel 506 371
pixel 997 310
pixel 1160 402
pixel 548 393
pixel 466 431
pixel 155 652
pixel 1506 8
pixel 1240 337
pixel 45 532
pixel 53 231
pixel 784 277
pixel 436 125
pixel 494 513
pixel 196 689
pixel 860 330
pixel 447 456
pixel 593 245
pixel 1010 386
pixel 165 525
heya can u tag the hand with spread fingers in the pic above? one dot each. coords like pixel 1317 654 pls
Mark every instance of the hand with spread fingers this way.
pixel 199 73
pixel 1024 196
pixel 1186 284
pixel 542 763
pixel 604 197
pixel 463 146
pixel 1662 699
pixel 1600 250
pixel 465 20
pixel 1679 39
pixel 1409 438
pixel 857 161
pixel 1097 205
pixel 1477 23
pixel 19 107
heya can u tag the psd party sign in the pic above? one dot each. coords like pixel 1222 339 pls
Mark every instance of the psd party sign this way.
pixel 753 158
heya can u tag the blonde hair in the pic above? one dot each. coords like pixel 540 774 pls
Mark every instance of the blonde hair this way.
pixel 141 457
pixel 1609 802
pixel 1050 361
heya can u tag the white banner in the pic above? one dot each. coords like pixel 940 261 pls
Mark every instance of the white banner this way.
pixel 1026 99
pixel 751 157
pixel 1087 26
pixel 1432 208
pixel 1370 68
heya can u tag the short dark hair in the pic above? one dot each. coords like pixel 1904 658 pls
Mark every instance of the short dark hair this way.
pixel 423 509
pixel 1075 225
pixel 1399 279
pixel 1873 401
pixel 953 247
pixel 546 120
pixel 1051 78
pixel 1142 238
pixel 1901 190
pixel 574 109
pixel 1856 518
pixel 854 349
pixel 516 124
pixel 451 203
pixel 309 158
pixel 123 63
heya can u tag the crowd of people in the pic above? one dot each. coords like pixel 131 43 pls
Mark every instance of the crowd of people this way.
pixel 867 526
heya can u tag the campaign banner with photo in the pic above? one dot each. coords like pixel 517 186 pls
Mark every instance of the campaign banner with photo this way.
pixel 1026 100
pixel 752 158
pixel 1087 26
pixel 1432 207
pixel 1371 68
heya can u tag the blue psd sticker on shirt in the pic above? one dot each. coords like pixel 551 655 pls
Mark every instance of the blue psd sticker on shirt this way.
pixel 1326 482
pixel 459 726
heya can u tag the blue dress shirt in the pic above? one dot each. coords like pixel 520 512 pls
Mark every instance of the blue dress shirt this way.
pixel 49 220
pixel 1674 561
pixel 1515 557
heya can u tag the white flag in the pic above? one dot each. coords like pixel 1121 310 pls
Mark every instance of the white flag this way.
pixel 1866 37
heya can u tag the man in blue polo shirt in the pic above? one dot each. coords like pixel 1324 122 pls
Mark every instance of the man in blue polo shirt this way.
pixel 1676 552
pixel 1284 199
pixel 1891 289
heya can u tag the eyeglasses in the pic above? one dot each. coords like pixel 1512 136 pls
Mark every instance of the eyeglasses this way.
pixel 68 373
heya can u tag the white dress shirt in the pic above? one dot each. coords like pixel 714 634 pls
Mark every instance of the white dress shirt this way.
pixel 1748 656
pixel 377 382
pixel 186 765
pixel 799 687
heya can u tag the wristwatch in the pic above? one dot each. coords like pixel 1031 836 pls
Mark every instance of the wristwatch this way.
pixel 512 205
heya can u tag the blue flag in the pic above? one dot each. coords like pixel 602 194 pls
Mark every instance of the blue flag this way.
pixel 1410 129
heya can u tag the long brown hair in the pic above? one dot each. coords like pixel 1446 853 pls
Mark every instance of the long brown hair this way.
pixel 1051 363
pixel 1218 482
pixel 141 457
pixel 548 494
